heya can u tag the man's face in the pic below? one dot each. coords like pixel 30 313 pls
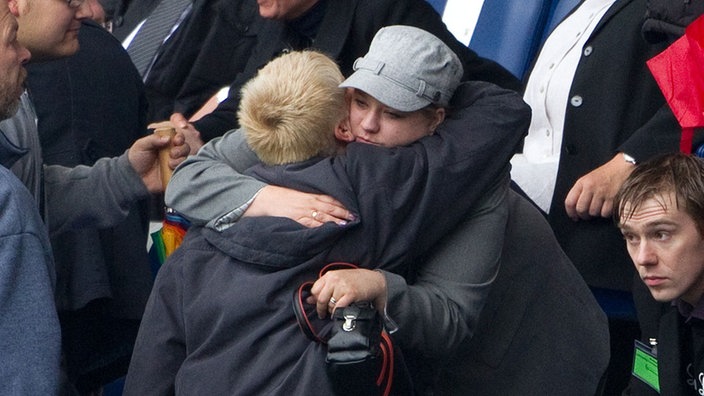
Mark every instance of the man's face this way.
pixel 666 248
pixel 284 9
pixel 12 57
pixel 49 28
pixel 375 123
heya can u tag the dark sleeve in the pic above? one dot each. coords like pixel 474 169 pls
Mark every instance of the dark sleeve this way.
pixel 661 134
pixel 223 118
pixel 443 175
pixel 160 348
pixel 223 55
pixel 440 307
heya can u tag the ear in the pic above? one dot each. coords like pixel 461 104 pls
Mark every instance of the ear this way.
pixel 14 7
pixel 343 132
pixel 438 118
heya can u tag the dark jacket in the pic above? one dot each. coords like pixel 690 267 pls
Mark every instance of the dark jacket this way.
pixel 345 33
pixel 541 330
pixel 203 54
pixel 680 355
pixel 129 14
pixel 220 320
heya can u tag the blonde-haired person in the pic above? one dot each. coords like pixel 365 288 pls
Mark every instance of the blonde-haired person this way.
pixel 237 281
pixel 290 109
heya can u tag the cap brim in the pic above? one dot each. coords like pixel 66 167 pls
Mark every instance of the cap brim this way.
pixel 385 91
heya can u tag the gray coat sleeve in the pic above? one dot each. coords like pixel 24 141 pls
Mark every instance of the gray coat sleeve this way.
pixel 160 347
pixel 98 196
pixel 215 169
pixel 440 310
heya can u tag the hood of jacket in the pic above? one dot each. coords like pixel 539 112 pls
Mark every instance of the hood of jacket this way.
pixel 9 153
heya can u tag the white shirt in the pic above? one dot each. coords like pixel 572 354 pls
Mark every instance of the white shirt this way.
pixel 547 91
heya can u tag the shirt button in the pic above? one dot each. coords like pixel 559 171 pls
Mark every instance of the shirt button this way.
pixel 547 132
pixel 542 89
pixel 588 50
pixel 576 101
pixel 552 65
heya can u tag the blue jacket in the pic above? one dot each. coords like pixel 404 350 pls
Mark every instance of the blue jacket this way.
pixel 30 338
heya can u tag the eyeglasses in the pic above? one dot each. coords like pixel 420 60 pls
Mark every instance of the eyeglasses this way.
pixel 74 3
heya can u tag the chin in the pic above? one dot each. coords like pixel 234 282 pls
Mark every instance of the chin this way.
pixel 663 296
pixel 66 51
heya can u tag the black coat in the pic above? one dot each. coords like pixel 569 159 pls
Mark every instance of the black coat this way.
pixel 129 14
pixel 680 364
pixel 541 331
pixel 677 350
pixel 345 33
pixel 204 53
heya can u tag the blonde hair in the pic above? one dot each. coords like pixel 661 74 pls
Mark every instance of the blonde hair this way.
pixel 290 108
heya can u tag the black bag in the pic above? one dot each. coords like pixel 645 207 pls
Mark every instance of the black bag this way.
pixel 360 353
pixel 355 356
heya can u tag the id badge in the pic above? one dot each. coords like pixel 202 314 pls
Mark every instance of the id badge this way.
pixel 645 365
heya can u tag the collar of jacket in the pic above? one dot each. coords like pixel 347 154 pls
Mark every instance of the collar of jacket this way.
pixel 9 153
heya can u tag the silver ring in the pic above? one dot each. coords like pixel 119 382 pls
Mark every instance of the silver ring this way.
pixel 332 301
pixel 315 214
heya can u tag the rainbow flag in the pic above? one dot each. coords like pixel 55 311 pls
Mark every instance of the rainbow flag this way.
pixel 167 239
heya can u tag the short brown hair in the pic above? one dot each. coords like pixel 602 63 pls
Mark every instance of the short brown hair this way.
pixel 677 173
pixel 290 108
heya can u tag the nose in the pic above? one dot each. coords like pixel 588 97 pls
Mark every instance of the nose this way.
pixel 370 122
pixel 24 55
pixel 84 11
pixel 644 255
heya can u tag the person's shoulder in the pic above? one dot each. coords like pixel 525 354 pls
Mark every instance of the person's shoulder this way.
pixel 471 94
pixel 95 36
pixel 239 13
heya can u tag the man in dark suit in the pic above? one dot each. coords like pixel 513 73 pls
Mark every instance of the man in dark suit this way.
pixel 342 29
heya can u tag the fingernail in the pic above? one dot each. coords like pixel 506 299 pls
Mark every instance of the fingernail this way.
pixel 342 223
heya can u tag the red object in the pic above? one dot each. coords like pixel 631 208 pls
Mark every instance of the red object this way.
pixel 679 72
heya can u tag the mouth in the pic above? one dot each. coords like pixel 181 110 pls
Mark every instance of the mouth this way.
pixel 654 281
pixel 365 141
